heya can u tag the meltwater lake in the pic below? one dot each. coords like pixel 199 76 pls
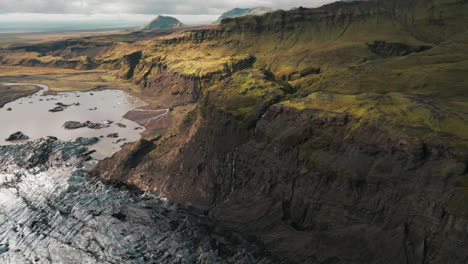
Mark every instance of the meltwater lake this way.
pixel 32 116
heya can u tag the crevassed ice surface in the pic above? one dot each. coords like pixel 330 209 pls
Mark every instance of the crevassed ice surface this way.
pixel 51 211
pixel 31 116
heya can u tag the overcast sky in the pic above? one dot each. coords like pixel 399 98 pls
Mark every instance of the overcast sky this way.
pixel 131 11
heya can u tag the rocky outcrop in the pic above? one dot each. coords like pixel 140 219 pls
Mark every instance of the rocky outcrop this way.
pixel 175 86
pixel 385 49
pixel 80 63
pixel 87 141
pixel 128 64
pixel 76 125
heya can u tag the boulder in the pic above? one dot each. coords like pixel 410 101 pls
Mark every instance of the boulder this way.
pixel 57 109
pixel 73 125
pixel 87 141
pixel 88 124
pixel 17 136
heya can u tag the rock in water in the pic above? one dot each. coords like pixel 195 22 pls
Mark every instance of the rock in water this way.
pixel 57 109
pixel 96 125
pixel 120 140
pixel 73 125
pixel 113 135
pixel 87 141
pixel 88 124
pixel 17 136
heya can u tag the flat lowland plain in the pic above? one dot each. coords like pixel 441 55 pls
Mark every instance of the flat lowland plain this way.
pixel 61 80
pixel 24 38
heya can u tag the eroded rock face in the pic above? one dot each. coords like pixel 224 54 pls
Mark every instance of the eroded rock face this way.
pixel 53 212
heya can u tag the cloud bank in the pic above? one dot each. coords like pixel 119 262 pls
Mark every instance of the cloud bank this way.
pixel 182 7
pixel 113 13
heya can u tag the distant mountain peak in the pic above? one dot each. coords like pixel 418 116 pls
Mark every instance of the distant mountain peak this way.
pixel 161 22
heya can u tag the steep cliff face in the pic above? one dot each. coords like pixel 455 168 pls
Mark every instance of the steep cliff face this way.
pixel 181 81
pixel 313 185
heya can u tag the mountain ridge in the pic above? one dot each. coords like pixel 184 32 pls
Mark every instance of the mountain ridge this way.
pixel 238 12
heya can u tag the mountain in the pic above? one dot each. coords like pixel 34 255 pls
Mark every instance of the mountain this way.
pixel 336 134
pixel 238 12
pixel 162 22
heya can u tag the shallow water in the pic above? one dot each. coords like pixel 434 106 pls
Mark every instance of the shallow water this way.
pixel 31 116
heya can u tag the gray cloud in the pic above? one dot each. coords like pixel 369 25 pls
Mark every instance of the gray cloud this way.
pixel 153 7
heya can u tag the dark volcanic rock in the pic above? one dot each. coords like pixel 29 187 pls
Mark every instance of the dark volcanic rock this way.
pixel 120 140
pixel 57 109
pixel 73 125
pixel 17 136
pixel 391 49
pixel 113 135
pixel 61 107
pixel 88 124
pixel 87 141
pixel 96 125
